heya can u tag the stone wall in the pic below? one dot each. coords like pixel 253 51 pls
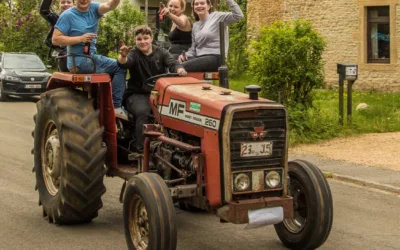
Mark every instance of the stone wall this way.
pixel 343 24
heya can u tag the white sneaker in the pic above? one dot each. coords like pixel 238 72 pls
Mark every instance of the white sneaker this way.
pixel 121 113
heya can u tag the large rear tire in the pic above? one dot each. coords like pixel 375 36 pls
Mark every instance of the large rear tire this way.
pixel 69 157
pixel 149 214
pixel 313 208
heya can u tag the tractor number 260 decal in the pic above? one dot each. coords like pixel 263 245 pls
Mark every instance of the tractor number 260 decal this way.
pixel 177 109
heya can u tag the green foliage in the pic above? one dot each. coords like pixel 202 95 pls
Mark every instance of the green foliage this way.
pixel 118 25
pixel 286 61
pixel 312 124
pixel 22 29
pixel 237 58
pixel 382 115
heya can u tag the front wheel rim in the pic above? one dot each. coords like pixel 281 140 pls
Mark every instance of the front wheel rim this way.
pixel 300 211
pixel 138 223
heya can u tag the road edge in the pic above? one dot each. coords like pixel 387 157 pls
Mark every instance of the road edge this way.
pixel 362 182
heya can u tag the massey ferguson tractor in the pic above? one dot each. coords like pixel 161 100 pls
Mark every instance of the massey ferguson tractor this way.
pixel 207 147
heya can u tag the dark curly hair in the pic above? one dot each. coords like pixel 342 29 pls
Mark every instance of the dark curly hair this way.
pixel 142 30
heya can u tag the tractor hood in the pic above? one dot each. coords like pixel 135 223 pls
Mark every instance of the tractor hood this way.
pixel 194 101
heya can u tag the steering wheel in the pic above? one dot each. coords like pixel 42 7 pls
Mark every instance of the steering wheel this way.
pixel 151 81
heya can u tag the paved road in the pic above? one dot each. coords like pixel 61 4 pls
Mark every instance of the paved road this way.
pixel 363 218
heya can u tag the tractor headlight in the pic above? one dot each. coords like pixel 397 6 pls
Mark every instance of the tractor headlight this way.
pixel 273 179
pixel 241 182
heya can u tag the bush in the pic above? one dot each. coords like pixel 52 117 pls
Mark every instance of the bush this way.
pixel 286 61
pixel 311 124
pixel 118 25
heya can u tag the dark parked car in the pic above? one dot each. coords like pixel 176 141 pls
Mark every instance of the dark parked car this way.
pixel 22 74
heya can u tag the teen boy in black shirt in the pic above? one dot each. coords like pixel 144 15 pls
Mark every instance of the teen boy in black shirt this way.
pixel 144 61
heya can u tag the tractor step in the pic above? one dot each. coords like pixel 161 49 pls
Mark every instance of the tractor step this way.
pixel 124 171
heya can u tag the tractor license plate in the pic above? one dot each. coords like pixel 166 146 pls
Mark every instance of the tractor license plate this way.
pixel 256 149
pixel 264 216
pixel 33 86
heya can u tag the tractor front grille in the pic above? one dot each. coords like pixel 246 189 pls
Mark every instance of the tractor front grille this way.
pixel 243 123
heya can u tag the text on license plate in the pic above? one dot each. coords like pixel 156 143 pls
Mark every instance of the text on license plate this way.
pixel 256 149
pixel 33 86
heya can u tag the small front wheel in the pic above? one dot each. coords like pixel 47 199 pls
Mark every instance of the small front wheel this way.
pixel 149 214
pixel 312 208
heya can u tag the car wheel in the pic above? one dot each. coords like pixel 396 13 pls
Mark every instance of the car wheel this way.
pixel 3 97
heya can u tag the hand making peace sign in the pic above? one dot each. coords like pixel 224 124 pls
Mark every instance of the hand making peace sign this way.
pixel 124 50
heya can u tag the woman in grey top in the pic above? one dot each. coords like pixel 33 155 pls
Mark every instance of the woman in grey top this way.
pixel 204 54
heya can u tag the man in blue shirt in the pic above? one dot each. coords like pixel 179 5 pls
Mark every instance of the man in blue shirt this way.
pixel 78 26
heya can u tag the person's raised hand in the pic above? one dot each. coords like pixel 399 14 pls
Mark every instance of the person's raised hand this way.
pixel 164 11
pixel 124 50
pixel 88 37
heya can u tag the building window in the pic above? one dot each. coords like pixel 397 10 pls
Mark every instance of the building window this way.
pixel 378 35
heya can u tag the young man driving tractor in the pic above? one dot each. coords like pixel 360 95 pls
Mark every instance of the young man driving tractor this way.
pixel 143 62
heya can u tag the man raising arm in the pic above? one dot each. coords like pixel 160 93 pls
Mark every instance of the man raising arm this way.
pixel 77 29
pixel 144 61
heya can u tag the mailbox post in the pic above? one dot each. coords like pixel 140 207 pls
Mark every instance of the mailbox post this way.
pixel 347 72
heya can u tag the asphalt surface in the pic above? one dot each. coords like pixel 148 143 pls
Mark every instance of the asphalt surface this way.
pixel 383 176
pixel 363 218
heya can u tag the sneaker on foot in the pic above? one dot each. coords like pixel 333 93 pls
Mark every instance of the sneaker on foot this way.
pixel 121 113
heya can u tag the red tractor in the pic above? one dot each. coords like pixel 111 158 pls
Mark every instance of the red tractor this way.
pixel 210 148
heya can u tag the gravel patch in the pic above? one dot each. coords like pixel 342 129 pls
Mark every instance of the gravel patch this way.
pixel 376 150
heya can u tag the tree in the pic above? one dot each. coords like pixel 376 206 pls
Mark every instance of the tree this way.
pixel 22 29
pixel 118 25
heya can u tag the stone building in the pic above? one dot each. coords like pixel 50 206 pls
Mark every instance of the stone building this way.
pixel 365 32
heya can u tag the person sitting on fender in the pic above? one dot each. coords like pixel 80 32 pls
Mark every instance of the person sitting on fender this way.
pixel 52 17
pixel 143 62
pixel 77 29
pixel 205 53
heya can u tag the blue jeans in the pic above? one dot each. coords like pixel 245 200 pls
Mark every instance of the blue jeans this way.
pixel 108 66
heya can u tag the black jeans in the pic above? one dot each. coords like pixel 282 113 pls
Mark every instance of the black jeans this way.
pixel 177 49
pixel 138 105
pixel 207 63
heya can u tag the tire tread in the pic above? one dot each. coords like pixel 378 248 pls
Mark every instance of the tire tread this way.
pixel 79 197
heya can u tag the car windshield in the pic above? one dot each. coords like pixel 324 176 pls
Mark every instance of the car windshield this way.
pixel 19 61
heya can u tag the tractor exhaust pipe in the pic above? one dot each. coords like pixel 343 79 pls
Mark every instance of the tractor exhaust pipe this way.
pixel 223 69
